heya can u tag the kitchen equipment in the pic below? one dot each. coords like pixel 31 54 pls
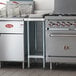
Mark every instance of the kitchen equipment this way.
pixel 19 8
pixel 12 40
pixel 60 38
pixel 36 40
pixel 2 9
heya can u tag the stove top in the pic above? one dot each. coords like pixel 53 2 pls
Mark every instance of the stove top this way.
pixel 59 15
pixel 63 15
pixel 66 22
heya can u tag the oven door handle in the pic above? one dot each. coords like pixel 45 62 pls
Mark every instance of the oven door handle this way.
pixel 62 35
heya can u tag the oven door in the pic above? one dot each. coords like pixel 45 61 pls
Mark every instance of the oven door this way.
pixel 60 45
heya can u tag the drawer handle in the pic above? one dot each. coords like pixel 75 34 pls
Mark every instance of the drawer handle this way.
pixel 66 47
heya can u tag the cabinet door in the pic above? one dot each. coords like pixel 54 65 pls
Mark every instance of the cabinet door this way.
pixel 12 47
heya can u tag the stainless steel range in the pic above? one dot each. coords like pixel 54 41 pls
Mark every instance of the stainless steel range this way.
pixel 60 38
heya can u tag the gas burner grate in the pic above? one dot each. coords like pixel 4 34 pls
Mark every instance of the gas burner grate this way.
pixel 60 15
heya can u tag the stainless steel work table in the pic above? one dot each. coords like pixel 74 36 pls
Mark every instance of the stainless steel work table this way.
pixel 43 40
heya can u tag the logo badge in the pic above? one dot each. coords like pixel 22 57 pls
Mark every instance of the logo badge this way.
pixel 9 25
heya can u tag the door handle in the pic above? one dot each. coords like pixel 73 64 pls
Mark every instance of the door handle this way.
pixel 60 35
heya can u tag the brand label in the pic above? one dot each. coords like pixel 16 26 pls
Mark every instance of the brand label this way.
pixel 9 25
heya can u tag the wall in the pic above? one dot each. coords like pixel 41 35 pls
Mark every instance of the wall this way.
pixel 21 0
pixel 44 5
pixel 65 6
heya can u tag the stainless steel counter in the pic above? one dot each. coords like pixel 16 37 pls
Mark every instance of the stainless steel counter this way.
pixel 12 19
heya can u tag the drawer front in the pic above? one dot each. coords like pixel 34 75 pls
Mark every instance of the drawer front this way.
pixel 63 59
pixel 60 46
pixel 11 26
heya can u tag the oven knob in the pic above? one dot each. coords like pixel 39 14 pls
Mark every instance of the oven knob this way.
pixel 50 24
pixel 57 24
pixel 74 24
pixel 63 25
pixel 69 23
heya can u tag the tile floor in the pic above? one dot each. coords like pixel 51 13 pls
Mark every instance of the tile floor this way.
pixel 36 72
pixel 60 70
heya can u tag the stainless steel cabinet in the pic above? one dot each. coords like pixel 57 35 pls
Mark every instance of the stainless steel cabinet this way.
pixel 35 40
pixel 12 40
pixel 12 47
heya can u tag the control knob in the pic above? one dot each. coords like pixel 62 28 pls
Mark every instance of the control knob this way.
pixel 74 23
pixel 56 24
pixel 50 23
pixel 67 24
pixel 62 24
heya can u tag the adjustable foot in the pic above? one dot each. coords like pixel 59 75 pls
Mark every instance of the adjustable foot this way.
pixel 50 66
pixel 23 65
